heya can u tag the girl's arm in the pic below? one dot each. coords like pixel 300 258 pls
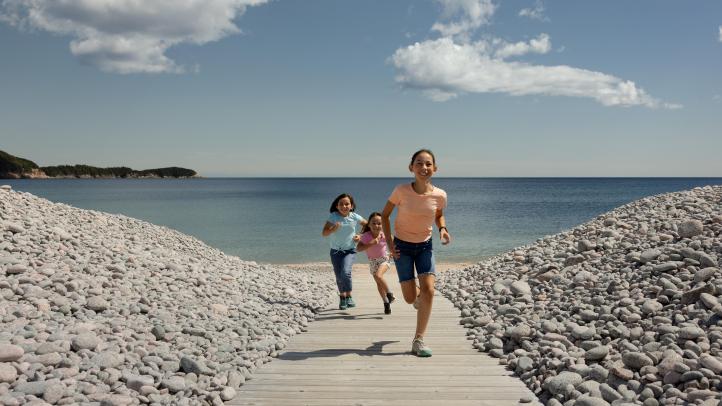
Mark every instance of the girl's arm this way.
pixel 362 223
pixel 386 223
pixel 444 235
pixel 363 247
pixel 329 228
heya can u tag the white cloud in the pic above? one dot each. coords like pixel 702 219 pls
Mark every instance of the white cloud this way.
pixel 536 13
pixel 454 64
pixel 539 45
pixel 128 36
pixel 444 69
pixel 720 33
pixel 471 15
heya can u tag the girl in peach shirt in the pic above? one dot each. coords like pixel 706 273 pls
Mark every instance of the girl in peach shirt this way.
pixel 420 205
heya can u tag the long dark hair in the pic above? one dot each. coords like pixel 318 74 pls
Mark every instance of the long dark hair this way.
pixel 367 227
pixel 339 197
pixel 428 151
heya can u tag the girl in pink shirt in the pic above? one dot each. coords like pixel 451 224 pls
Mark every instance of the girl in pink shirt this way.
pixel 420 204
pixel 373 242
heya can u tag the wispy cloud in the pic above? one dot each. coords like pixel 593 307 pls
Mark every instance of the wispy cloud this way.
pixel 128 36
pixel 535 13
pixel 720 33
pixel 453 64
pixel 470 15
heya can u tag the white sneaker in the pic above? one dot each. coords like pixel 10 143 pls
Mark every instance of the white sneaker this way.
pixel 420 349
pixel 416 302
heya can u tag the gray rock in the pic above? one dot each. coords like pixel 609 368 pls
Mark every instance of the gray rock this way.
pixel 189 365
pixel 649 255
pixel 97 304
pixel 520 288
pixel 703 275
pixel 85 342
pixel 558 384
pixel 136 382
pixel 597 353
pixel 105 360
pixel 16 269
pixel 590 401
pixel 174 384
pixel 636 360
pixel 8 373
pixel 690 228
pixel 228 393
pixel 10 352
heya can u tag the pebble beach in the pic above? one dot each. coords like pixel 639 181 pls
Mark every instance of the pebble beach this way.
pixel 104 309
pixel 622 310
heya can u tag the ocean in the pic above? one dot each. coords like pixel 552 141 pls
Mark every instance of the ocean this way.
pixel 279 220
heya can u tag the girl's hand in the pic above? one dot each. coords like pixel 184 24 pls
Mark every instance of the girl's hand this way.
pixel 444 236
pixel 335 227
pixel 356 238
pixel 374 241
pixel 393 250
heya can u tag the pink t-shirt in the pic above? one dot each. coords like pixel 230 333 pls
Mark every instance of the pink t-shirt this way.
pixel 417 212
pixel 378 250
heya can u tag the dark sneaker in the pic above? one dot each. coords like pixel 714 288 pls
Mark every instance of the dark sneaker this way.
pixel 420 349
pixel 390 296
pixel 387 308
pixel 350 302
pixel 343 304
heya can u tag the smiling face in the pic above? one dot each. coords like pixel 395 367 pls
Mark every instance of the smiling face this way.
pixel 423 166
pixel 344 206
pixel 375 225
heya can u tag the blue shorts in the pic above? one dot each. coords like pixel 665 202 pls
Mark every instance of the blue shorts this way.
pixel 414 255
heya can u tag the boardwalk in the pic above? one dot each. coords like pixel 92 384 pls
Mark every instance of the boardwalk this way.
pixel 362 357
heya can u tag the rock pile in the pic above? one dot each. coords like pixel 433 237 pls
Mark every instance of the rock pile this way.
pixel 625 309
pixel 105 309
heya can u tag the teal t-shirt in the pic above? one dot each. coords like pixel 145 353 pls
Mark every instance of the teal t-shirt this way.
pixel 342 239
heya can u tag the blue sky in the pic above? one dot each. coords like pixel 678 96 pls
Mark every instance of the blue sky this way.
pixel 352 88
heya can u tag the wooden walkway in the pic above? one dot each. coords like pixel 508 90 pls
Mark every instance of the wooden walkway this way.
pixel 361 356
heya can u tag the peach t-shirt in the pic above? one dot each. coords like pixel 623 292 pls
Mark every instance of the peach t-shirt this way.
pixel 416 213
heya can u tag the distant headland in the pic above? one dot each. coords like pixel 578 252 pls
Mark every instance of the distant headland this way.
pixel 12 167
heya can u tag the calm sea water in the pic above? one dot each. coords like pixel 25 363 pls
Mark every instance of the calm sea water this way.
pixel 279 220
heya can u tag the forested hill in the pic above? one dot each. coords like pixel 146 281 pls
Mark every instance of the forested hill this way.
pixel 12 167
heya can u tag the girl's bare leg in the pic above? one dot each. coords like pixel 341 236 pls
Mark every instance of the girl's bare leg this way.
pixel 409 290
pixel 381 285
pixel 426 300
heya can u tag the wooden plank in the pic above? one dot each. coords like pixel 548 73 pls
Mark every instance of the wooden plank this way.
pixel 361 356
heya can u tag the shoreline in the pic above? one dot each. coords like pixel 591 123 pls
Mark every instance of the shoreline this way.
pixel 441 267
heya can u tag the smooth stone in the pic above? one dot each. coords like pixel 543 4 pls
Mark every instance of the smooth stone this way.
pixel 174 384
pixel 97 304
pixel 636 360
pixel 10 352
pixel 558 384
pixel 590 401
pixel 85 342
pixel 690 228
pixel 8 373
pixel 597 353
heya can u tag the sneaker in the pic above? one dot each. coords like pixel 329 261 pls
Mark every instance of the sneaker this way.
pixel 343 304
pixel 387 308
pixel 350 302
pixel 390 297
pixel 416 302
pixel 420 349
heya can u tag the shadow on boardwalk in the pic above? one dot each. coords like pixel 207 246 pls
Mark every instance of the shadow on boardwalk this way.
pixel 375 349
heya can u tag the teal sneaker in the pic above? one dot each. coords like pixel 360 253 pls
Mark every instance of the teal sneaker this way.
pixel 350 302
pixel 343 304
pixel 420 349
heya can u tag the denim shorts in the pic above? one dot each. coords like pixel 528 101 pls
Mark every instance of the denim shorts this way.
pixel 414 255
